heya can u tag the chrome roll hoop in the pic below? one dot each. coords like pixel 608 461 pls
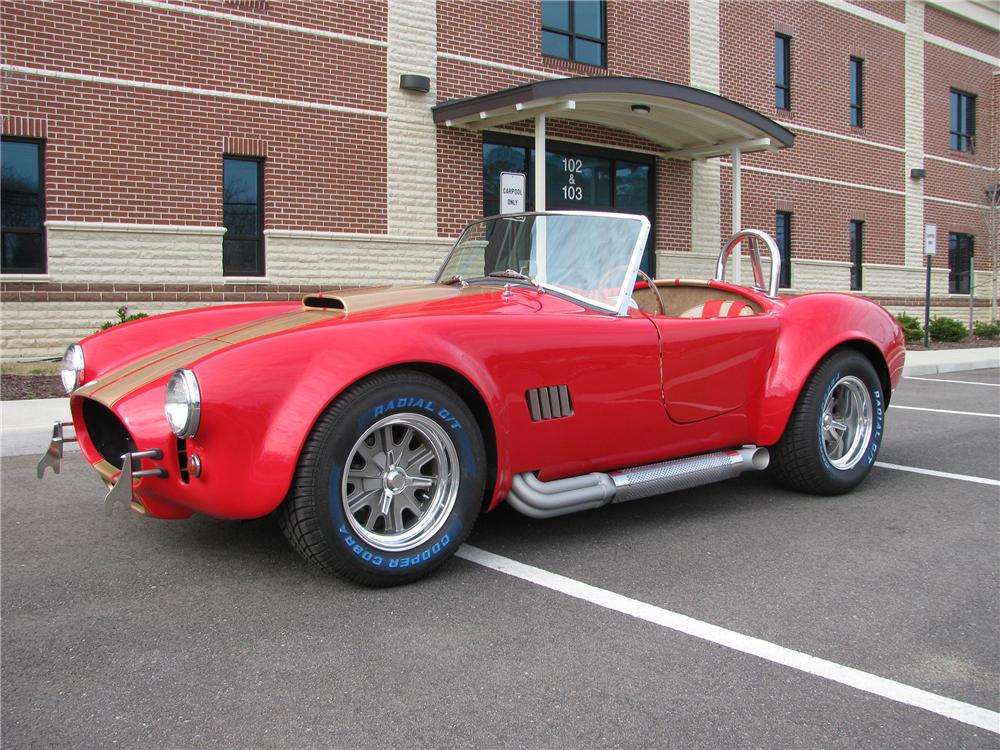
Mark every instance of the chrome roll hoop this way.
pixel 755 236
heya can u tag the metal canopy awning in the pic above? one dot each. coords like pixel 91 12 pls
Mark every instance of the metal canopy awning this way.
pixel 688 123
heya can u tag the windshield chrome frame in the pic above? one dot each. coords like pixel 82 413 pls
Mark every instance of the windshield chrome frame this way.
pixel 621 309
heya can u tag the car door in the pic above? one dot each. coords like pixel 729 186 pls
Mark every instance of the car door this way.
pixel 713 366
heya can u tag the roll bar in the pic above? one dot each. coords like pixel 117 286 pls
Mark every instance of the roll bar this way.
pixel 758 274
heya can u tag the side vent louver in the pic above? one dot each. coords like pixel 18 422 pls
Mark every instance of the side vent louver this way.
pixel 549 402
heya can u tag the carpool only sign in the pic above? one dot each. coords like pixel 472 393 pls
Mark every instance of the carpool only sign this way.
pixel 511 192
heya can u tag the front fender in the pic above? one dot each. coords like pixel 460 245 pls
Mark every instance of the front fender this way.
pixel 812 326
pixel 253 429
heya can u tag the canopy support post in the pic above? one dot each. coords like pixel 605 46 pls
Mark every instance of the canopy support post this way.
pixel 540 163
pixel 540 238
pixel 737 212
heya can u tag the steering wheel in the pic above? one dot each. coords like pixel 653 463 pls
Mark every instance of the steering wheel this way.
pixel 649 282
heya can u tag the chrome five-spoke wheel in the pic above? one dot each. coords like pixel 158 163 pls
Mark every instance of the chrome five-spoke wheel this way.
pixel 847 422
pixel 401 482
pixel 833 435
pixel 390 482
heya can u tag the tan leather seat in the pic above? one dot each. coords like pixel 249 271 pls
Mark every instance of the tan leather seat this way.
pixel 718 308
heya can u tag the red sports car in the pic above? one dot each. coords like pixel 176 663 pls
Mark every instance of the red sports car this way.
pixel 541 368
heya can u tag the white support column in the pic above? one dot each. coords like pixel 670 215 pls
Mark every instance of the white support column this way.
pixel 540 163
pixel 540 236
pixel 737 211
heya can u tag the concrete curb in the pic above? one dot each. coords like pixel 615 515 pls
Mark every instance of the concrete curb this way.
pixel 951 360
pixel 26 426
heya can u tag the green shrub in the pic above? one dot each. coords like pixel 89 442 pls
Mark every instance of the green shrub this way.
pixel 912 329
pixel 123 317
pixel 947 329
pixel 986 330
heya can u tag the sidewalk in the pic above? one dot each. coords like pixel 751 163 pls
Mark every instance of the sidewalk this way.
pixel 26 426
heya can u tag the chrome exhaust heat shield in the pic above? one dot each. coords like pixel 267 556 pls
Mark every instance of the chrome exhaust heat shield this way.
pixel 533 497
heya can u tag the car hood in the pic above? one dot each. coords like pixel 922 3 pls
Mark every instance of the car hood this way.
pixel 328 308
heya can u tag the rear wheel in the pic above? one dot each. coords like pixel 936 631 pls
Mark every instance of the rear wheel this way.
pixel 390 481
pixel 833 436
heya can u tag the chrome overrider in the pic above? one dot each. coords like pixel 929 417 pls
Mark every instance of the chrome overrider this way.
pixel 533 497
pixel 120 492
pixel 52 458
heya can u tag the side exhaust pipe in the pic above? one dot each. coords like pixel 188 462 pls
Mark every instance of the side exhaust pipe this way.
pixel 533 497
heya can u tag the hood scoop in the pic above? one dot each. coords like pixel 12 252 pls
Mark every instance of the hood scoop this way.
pixel 319 302
pixel 377 298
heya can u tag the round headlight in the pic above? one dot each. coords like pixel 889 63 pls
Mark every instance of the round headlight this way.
pixel 71 370
pixel 183 404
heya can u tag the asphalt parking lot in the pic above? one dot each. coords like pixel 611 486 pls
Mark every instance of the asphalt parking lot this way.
pixel 128 632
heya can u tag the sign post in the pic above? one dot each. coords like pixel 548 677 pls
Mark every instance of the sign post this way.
pixel 512 186
pixel 930 249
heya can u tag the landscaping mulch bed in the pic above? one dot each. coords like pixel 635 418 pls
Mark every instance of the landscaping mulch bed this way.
pixel 17 387
pixel 972 342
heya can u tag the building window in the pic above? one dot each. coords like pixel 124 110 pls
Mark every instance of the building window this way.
pixel 243 216
pixel 782 71
pixel 22 203
pixel 963 121
pixel 575 30
pixel 959 262
pixel 857 92
pixel 783 238
pixel 577 177
pixel 857 251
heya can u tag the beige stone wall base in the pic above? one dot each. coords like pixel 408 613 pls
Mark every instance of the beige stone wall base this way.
pixel 132 253
pixel 33 330
pixel 318 258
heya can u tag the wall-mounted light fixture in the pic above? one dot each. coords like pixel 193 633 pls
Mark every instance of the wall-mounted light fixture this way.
pixel 918 173
pixel 640 109
pixel 413 82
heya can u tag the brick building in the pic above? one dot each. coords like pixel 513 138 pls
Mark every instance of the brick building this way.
pixel 161 154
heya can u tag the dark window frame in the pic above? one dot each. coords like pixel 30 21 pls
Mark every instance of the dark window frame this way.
pixel 959 279
pixel 566 148
pixel 783 86
pixel 40 230
pixel 783 239
pixel 857 232
pixel 259 237
pixel 961 138
pixel 857 76
pixel 572 35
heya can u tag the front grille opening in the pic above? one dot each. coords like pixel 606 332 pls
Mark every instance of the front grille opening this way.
pixel 107 433
pixel 182 460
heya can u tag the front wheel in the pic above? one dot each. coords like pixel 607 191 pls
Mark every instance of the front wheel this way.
pixel 390 481
pixel 834 433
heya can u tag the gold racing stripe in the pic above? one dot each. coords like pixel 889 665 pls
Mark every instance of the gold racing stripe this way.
pixel 115 386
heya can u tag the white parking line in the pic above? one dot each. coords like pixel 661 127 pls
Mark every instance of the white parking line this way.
pixel 946 411
pixel 869 683
pixel 943 474
pixel 942 380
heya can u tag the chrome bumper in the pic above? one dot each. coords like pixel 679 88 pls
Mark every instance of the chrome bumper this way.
pixel 120 492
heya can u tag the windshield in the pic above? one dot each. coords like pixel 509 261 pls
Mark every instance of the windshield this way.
pixel 592 257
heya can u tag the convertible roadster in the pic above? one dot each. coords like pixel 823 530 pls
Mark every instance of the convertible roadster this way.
pixel 540 368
